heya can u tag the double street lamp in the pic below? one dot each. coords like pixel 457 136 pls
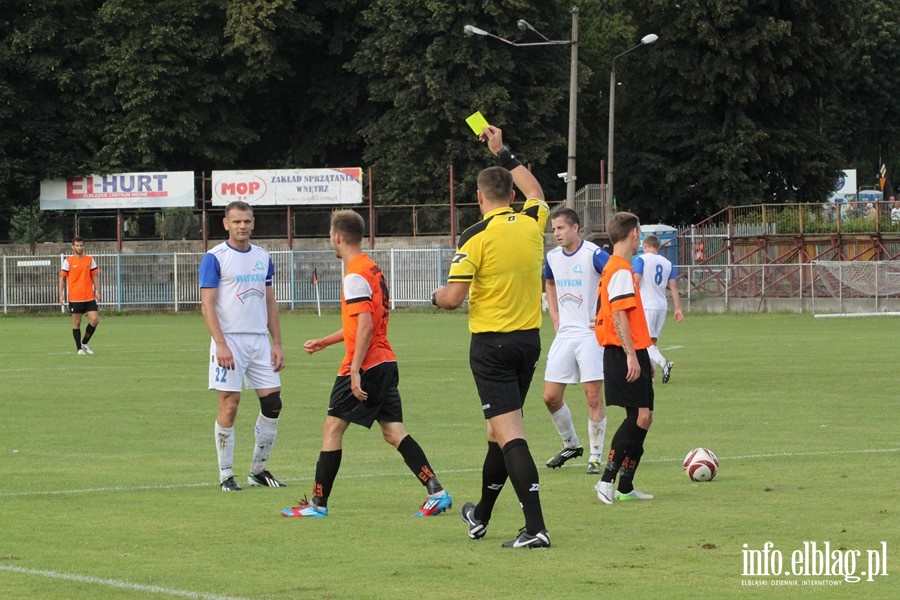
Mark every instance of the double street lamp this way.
pixel 647 39
pixel 573 86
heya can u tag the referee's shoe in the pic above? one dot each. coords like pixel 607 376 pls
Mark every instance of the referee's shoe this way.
pixel 563 455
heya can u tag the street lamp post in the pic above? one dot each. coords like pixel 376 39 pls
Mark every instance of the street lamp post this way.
pixel 647 39
pixel 573 87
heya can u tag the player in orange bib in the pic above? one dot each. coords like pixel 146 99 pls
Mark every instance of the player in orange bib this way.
pixel 365 390
pixel 79 275
pixel 622 331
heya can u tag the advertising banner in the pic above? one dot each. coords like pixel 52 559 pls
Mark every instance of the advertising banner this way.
pixel 288 186
pixel 120 190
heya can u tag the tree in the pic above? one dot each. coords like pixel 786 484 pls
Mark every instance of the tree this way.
pixel 424 77
pixel 42 91
pixel 727 110
pixel 863 115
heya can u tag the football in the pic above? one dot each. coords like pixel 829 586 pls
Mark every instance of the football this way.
pixel 701 464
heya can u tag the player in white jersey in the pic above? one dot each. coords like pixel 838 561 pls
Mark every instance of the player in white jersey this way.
pixel 572 274
pixel 655 273
pixel 240 311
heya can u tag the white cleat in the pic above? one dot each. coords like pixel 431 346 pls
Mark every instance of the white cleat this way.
pixel 604 492
pixel 81 352
pixel 87 349
pixel 633 495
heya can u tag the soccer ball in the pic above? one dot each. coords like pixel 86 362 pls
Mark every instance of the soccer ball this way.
pixel 701 464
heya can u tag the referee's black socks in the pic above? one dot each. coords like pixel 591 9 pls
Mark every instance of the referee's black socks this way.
pixel 524 477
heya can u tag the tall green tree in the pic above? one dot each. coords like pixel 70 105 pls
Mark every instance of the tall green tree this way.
pixel 424 77
pixel 863 115
pixel 42 99
pixel 727 108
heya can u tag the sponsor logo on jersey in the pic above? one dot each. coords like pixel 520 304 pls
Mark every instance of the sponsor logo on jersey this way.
pixel 570 299
pixel 249 295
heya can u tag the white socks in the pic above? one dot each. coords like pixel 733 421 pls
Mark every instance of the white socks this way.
pixel 225 450
pixel 597 435
pixel 563 421
pixel 266 429
pixel 655 355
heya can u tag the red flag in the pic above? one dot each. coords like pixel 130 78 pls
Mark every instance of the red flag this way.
pixel 315 277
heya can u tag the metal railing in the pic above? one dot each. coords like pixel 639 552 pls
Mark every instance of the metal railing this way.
pixel 169 281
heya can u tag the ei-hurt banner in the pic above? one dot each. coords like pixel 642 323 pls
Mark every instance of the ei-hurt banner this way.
pixel 120 190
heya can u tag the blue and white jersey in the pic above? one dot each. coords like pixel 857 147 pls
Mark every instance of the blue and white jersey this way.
pixel 655 272
pixel 241 278
pixel 577 277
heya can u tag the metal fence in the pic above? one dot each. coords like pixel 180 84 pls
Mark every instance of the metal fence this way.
pixel 169 281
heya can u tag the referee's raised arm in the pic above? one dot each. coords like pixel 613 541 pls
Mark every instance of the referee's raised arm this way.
pixel 522 177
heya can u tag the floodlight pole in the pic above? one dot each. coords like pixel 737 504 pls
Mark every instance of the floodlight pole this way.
pixel 573 87
pixel 610 198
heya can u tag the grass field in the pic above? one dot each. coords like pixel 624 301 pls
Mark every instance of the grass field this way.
pixel 109 473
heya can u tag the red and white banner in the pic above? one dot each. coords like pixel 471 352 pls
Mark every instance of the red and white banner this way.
pixel 288 186
pixel 120 190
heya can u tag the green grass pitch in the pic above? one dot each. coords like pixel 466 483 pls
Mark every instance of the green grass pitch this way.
pixel 108 477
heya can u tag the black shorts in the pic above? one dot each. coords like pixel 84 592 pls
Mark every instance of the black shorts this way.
pixel 618 392
pixel 383 404
pixel 79 308
pixel 503 365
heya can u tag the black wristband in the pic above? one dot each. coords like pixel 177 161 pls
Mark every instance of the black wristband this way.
pixel 434 299
pixel 508 160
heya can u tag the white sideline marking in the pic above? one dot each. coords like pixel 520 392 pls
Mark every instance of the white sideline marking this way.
pixel 116 583
pixel 404 473
pixel 851 315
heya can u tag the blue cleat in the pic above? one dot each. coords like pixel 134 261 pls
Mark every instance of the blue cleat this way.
pixel 305 509
pixel 434 506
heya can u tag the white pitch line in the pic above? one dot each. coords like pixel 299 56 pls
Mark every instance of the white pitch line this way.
pixel 403 473
pixel 116 583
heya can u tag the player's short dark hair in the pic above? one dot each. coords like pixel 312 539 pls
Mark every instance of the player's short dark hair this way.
pixel 652 241
pixel 238 205
pixel 77 238
pixel 620 226
pixel 495 183
pixel 566 213
pixel 349 224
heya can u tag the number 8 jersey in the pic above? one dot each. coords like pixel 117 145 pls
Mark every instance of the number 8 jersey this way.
pixel 655 272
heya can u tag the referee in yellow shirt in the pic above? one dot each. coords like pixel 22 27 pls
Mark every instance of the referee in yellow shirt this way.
pixel 498 264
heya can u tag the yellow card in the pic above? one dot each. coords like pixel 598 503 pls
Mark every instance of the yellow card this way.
pixel 477 122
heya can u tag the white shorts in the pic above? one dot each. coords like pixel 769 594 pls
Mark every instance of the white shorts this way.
pixel 252 364
pixel 656 320
pixel 574 360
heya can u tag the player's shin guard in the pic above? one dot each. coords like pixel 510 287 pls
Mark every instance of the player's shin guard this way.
pixel 266 430
pixel 630 464
pixel 225 450
pixel 524 476
pixel 88 333
pixel 326 472
pixel 415 459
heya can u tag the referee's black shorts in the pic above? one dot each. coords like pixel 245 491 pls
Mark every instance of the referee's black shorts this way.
pixel 618 391
pixel 383 404
pixel 503 365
